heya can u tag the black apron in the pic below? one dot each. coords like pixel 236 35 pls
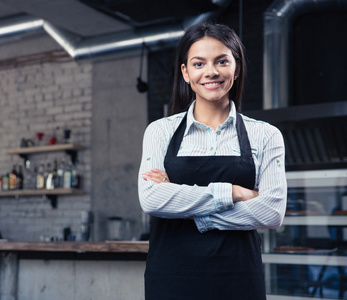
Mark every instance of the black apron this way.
pixel 184 264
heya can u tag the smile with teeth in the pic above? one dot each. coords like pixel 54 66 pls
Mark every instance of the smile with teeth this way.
pixel 212 84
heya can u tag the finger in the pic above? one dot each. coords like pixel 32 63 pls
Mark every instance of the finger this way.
pixel 156 177
pixel 159 173
pixel 145 176
pixel 152 176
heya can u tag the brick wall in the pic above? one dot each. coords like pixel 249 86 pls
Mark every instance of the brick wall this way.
pixel 42 97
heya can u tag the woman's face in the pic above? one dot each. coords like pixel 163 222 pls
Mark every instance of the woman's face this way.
pixel 210 69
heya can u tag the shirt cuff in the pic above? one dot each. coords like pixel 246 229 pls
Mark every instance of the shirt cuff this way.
pixel 203 223
pixel 223 196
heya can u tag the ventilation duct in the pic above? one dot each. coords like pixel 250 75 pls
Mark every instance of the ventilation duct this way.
pixel 112 43
pixel 278 20
pixel 81 48
pixel 20 25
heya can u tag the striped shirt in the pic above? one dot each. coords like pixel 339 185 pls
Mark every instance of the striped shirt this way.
pixel 212 206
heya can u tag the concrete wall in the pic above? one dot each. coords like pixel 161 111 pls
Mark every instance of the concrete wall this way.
pixel 39 279
pixel 119 120
pixel 75 280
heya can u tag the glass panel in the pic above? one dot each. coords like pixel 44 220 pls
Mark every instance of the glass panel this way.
pixel 296 239
pixel 307 281
pixel 307 256
pixel 317 201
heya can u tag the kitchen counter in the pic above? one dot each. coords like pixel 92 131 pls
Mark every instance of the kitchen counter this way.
pixel 108 246
pixel 108 250
pixel 62 270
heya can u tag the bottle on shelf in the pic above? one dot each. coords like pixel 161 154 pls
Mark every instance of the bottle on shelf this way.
pixel 47 170
pixel 19 179
pixel 55 173
pixel 29 177
pixel 75 180
pixel 60 175
pixel 40 179
pixel 51 177
pixel 5 182
pixel 36 170
pixel 12 182
pixel 48 176
pixel 68 177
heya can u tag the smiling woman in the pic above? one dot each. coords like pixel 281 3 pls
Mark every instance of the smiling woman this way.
pixel 210 70
pixel 209 177
pixel 231 54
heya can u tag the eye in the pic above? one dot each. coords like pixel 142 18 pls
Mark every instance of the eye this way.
pixel 223 62
pixel 198 64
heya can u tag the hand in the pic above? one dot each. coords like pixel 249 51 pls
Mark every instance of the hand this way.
pixel 156 175
pixel 242 194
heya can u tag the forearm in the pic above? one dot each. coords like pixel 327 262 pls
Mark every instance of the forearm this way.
pixel 170 200
pixel 263 211
pixel 243 194
pixel 260 212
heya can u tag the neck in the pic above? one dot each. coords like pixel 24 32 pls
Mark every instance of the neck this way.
pixel 211 113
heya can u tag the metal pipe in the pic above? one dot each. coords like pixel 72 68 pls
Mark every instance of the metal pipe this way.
pixel 120 42
pixel 19 25
pixel 79 48
pixel 278 19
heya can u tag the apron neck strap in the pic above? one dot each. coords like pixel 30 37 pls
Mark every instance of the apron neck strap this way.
pixel 242 135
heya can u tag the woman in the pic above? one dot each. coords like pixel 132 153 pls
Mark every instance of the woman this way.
pixel 210 177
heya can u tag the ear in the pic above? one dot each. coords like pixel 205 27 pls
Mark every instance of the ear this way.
pixel 237 70
pixel 184 72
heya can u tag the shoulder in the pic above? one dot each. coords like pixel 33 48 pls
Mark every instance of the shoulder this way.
pixel 165 126
pixel 258 129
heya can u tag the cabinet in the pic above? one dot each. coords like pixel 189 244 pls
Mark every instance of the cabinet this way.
pixel 307 257
pixel 70 149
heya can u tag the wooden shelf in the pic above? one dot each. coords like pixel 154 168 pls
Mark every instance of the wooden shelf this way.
pixel 57 192
pixel 114 246
pixel 50 194
pixel 46 148
pixel 70 149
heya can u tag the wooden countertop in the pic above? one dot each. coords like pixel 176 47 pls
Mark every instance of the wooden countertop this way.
pixel 108 246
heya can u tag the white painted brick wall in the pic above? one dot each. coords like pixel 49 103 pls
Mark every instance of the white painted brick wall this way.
pixel 41 98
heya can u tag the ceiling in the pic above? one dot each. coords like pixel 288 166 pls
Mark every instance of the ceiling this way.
pixel 88 18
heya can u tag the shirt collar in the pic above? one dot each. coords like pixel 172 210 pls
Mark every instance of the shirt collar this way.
pixel 191 120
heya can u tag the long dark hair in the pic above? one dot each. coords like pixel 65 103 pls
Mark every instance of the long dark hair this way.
pixel 183 95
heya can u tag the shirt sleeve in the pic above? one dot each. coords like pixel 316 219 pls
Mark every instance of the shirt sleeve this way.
pixel 268 209
pixel 170 200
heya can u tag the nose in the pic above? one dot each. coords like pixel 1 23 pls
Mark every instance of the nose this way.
pixel 211 70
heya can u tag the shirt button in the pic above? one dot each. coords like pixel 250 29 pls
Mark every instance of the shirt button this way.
pixel 218 132
pixel 211 148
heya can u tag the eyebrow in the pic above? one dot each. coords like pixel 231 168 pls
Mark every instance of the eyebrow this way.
pixel 202 58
